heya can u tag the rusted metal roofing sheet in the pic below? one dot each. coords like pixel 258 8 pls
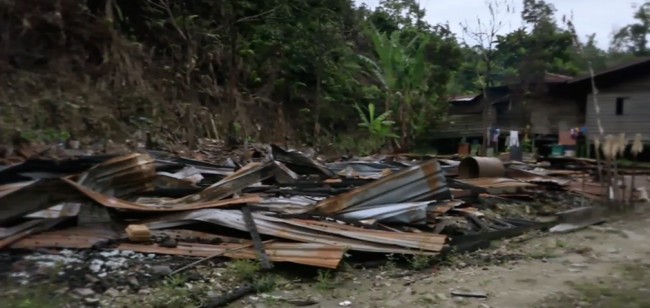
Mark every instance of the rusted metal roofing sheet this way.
pixel 49 192
pixel 192 236
pixel 412 212
pixel 6 232
pixel 534 177
pixel 9 188
pixel 165 181
pixel 440 208
pixel 283 174
pixel 287 205
pixel 117 177
pixel 122 204
pixel 311 232
pixel 469 210
pixel 364 169
pixel 418 241
pixel 298 159
pixel 321 255
pixel 495 182
pixel 242 178
pixel 66 209
pixel 121 175
pixel 78 238
pixel 421 182
pixel 326 256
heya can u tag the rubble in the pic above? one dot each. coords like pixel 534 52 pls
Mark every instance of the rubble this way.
pixel 111 211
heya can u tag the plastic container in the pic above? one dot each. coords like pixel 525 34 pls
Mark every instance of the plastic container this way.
pixel 556 150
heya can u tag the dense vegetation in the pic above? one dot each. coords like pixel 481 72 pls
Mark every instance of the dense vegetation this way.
pixel 316 72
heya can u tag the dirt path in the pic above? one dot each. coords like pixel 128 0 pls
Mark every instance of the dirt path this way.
pixel 594 254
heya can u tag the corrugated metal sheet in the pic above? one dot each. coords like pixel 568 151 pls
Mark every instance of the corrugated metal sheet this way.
pixel 120 176
pixel 634 119
pixel 9 188
pixel 117 176
pixel 68 209
pixel 40 226
pixel 362 168
pixel 425 181
pixel 413 213
pixel 300 161
pixel 328 233
pixel 47 193
pixel 437 209
pixel 6 232
pixel 418 241
pixel 321 255
pixel 77 238
pixel 287 205
pixel 533 177
pixel 495 182
pixel 246 176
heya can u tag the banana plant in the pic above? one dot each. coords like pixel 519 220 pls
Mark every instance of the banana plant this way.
pixel 402 72
pixel 377 125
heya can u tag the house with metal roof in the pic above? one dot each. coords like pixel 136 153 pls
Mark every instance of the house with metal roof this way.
pixel 623 99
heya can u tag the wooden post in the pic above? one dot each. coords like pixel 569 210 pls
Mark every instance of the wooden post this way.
pixel 485 127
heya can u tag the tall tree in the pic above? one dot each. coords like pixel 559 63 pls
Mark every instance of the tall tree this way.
pixel 633 38
pixel 540 47
pixel 484 39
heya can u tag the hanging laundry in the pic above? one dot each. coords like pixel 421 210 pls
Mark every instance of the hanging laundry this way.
pixel 514 138
pixel 488 134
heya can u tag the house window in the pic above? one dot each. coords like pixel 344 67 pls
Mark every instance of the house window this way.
pixel 620 104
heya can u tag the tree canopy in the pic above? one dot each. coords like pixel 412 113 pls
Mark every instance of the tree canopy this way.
pixel 327 72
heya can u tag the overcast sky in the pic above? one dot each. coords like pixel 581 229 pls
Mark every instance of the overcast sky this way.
pixel 589 16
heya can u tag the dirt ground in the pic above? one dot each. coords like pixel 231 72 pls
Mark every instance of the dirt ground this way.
pixel 602 266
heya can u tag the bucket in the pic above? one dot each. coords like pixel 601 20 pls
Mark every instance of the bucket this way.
pixel 557 150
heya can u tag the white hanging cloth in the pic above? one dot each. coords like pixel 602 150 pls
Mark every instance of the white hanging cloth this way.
pixel 514 138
